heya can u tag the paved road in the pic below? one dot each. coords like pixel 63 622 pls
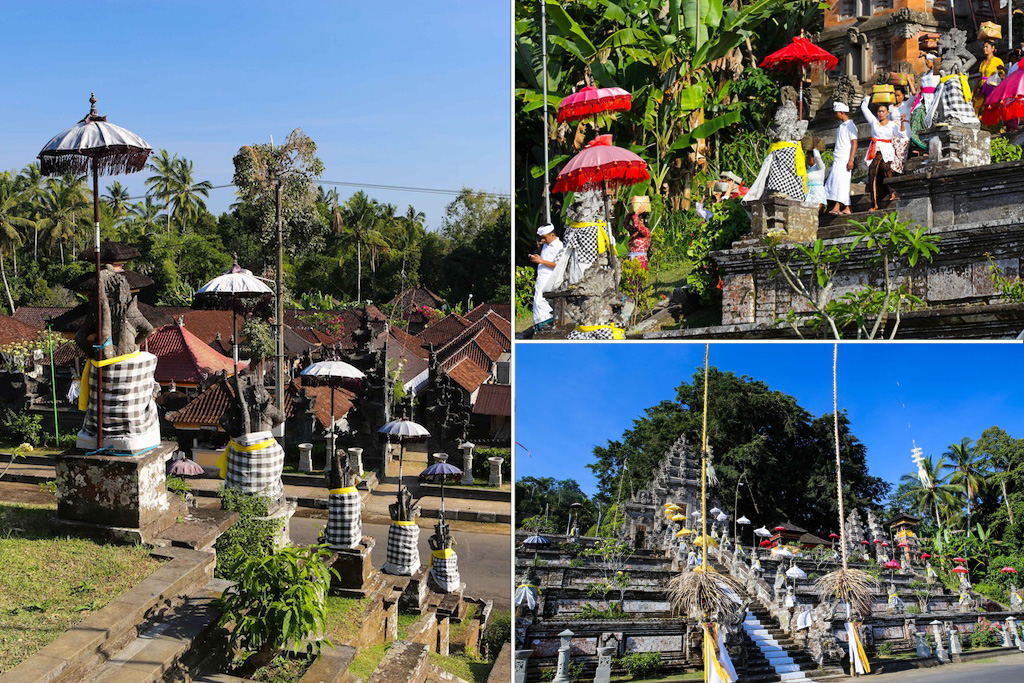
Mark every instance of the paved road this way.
pixel 484 561
pixel 1008 669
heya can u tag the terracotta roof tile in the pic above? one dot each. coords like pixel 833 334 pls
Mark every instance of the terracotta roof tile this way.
pixel 444 330
pixel 207 408
pixel 494 399
pixel 36 316
pixel 343 399
pixel 468 375
pixel 13 330
pixel 183 357
pixel 503 310
pixel 415 297
pixel 409 342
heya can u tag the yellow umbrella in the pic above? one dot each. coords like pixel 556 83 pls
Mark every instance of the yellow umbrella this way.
pixel 702 539
pixel 678 518
pixel 683 532
pixel 672 506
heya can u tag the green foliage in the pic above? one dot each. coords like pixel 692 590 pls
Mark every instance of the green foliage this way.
pixel 636 284
pixel 985 634
pixel 257 340
pixel 497 633
pixel 526 279
pixel 641 664
pixel 537 524
pixel 1004 150
pixel 885 650
pixel 913 609
pixel 535 495
pixel 588 612
pixel 21 426
pixel 810 271
pixel 728 223
pixel 179 486
pixel 49 486
pixel 277 599
pixel 767 433
pixel 283 669
pixel 249 538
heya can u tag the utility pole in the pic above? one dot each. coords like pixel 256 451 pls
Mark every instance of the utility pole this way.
pixel 279 314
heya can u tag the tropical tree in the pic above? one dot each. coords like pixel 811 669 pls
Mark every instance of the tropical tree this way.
pixel 968 470
pixel 64 212
pixel 117 200
pixel 173 182
pixel 361 216
pixel 10 222
pixel 30 184
pixel 926 497
pixel 1000 452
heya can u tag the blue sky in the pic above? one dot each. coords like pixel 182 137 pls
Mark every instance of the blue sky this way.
pixel 571 397
pixel 399 93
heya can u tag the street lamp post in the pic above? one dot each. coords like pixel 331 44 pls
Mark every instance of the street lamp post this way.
pixel 735 505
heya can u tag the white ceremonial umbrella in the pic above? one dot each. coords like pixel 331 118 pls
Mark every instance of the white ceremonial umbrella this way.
pixel 333 374
pixel 228 291
pixel 795 572
pixel 762 532
pixel 404 430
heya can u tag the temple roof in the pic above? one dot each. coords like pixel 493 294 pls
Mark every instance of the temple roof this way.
pixel 494 399
pixel 185 358
pixel 414 297
pixel 444 330
pixel 13 330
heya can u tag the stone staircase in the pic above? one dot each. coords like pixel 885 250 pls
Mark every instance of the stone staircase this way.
pixel 780 659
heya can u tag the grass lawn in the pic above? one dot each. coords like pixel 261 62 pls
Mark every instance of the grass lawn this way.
pixel 670 276
pixel 688 676
pixel 456 631
pixel 367 659
pixel 51 582
pixel 405 621
pixel 468 667
pixel 343 617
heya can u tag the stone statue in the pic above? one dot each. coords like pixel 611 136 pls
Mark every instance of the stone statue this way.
pixel 253 461
pixel 784 171
pixel 444 563
pixel 586 240
pixel 951 106
pixel 129 416
pixel 344 528
pixel 1015 598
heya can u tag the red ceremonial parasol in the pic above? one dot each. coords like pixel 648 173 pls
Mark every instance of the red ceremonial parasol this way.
pixel 959 570
pixel 797 55
pixel 902 544
pixel 765 544
pixel 892 564
pixel 925 556
pixel 885 544
pixel 833 536
pixel 601 162
pixel 959 559
pixel 877 541
pixel 780 528
pixel 1008 570
pixel 591 101
pixel 864 543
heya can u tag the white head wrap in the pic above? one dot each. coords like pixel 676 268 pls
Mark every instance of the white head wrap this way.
pixel 929 56
pixel 841 106
pixel 545 229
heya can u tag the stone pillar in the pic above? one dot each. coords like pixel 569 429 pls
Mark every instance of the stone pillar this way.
pixel 955 648
pixel 564 652
pixel 306 457
pixel 922 645
pixel 1007 638
pixel 328 442
pixel 522 657
pixel 604 664
pixel 940 652
pixel 355 460
pixel 495 477
pixel 467 463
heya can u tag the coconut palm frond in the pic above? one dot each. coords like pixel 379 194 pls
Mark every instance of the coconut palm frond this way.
pixel 854 586
pixel 702 595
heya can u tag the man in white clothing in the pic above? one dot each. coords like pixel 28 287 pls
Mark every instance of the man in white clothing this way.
pixel 550 248
pixel 837 187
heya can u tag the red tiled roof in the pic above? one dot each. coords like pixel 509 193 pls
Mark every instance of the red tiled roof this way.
pixel 350 323
pixel 66 353
pixel 343 399
pixel 207 408
pixel 468 375
pixel 494 399
pixel 415 297
pixel 408 341
pixel 13 330
pixel 208 324
pixel 36 316
pixel 444 330
pixel 502 309
pixel 183 357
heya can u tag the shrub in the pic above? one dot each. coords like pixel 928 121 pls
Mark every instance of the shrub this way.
pixel 249 537
pixel 636 284
pixel 497 633
pixel 986 634
pixel 1003 150
pixel 641 664
pixel 885 650
pixel 21 427
pixel 179 486
pixel 526 276
pixel 913 609
pixel 277 599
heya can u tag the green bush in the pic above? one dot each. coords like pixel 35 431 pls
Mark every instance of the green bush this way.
pixel 636 284
pixel 497 633
pixel 21 427
pixel 1003 150
pixel 277 599
pixel 249 537
pixel 179 486
pixel 885 650
pixel 641 664
pixel 985 634
pixel 482 468
pixel 526 277
pixel 913 609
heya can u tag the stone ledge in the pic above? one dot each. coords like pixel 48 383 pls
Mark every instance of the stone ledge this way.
pixel 405 662
pixel 331 666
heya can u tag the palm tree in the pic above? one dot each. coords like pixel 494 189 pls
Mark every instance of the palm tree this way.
pixel 63 209
pixel 360 215
pixel 10 239
pixel 173 182
pixel 117 200
pixel 30 182
pixel 927 497
pixel 968 470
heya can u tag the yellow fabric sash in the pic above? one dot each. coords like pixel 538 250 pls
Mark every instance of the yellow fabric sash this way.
pixel 860 648
pixel 963 84
pixel 398 522
pixel 266 443
pixel 341 492
pixel 801 163
pixel 711 634
pixel 443 554
pixel 602 234
pixel 83 388
pixel 617 332
pixel 530 585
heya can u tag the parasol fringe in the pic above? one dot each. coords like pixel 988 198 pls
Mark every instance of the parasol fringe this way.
pixel 108 161
pixel 352 383
pixel 614 174
pixel 580 110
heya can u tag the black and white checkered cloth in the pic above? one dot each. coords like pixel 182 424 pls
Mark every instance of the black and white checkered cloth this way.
pixel 130 420
pixel 444 570
pixel 403 558
pixel 603 333
pixel 954 105
pixel 255 471
pixel 581 244
pixel 782 177
pixel 344 519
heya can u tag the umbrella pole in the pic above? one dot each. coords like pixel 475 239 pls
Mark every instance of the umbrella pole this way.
pixel 401 458
pixel 234 338
pixel 334 445
pixel 99 308
pixel 544 68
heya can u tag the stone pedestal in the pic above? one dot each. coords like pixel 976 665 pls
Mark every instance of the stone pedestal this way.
pixel 787 220
pixel 495 475
pixel 306 457
pixel 940 652
pixel 328 450
pixel 467 463
pixel 604 665
pixel 1007 637
pixel 955 649
pixel 355 460
pixel 957 147
pixel 282 514
pixel 358 578
pixel 564 656
pixel 522 659
pixel 922 645
pixel 121 498
pixel 414 597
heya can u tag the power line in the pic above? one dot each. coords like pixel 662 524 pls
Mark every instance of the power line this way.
pixel 377 186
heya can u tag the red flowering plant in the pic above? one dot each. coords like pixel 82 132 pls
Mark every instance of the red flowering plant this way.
pixel 431 314
pixel 986 634
pixel 327 323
